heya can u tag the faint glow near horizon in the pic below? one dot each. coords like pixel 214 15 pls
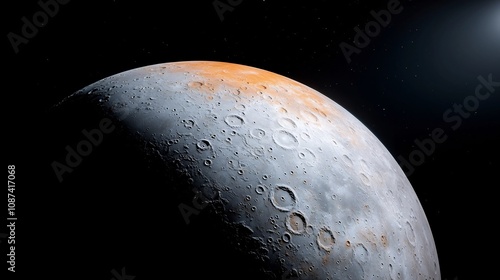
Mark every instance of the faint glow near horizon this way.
pixel 467 41
pixel 496 20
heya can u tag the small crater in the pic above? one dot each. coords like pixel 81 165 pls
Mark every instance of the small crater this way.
pixel 240 107
pixel 383 239
pixel 195 84
pixel 308 156
pixel 283 198
pixel 258 151
pixel 296 223
pixel 325 239
pixel 203 145
pixel 286 237
pixel 234 120
pixel 287 123
pixel 305 136
pixel 258 133
pixel 347 160
pixel 188 123
pixel 410 234
pixel 260 189
pixel 364 179
pixel 285 139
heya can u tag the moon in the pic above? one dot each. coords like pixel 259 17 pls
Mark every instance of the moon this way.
pixel 288 182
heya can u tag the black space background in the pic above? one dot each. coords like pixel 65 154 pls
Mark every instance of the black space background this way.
pixel 393 87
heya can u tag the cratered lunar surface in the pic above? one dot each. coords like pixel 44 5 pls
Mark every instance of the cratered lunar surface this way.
pixel 292 184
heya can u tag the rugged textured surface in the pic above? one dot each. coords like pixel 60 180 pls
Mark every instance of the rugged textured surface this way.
pixel 286 177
